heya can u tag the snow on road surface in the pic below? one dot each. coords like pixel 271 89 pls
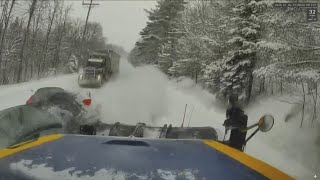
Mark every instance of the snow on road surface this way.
pixel 144 94
pixel 42 171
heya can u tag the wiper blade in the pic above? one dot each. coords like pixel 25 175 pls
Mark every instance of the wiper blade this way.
pixel 33 135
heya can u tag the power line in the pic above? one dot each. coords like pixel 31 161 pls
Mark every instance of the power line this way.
pixel 91 4
pixel 88 14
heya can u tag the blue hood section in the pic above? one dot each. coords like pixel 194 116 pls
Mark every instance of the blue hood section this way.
pixel 89 154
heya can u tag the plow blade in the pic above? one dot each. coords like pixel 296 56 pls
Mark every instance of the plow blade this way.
pixel 141 130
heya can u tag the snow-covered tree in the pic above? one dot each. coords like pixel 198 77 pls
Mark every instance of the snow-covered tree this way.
pixel 37 35
pixel 200 41
pixel 211 75
pixel 133 57
pixel 240 61
pixel 221 43
pixel 160 31
pixel 71 66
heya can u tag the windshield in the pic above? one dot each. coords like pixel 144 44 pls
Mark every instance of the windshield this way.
pixel 94 64
pixel 19 122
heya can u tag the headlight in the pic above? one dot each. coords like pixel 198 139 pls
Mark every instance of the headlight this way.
pixel 99 77
pixel 81 76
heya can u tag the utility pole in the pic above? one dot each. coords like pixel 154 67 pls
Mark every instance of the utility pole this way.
pixel 86 24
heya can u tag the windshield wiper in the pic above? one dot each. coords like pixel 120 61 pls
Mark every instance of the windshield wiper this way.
pixel 25 141
pixel 33 135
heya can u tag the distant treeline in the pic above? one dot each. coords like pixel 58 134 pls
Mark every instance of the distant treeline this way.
pixel 39 36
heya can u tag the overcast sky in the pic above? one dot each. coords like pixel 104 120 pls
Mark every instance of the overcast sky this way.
pixel 121 20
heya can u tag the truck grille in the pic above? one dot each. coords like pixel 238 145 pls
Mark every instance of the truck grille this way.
pixel 91 72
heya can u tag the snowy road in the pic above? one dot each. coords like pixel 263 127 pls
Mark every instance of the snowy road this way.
pixel 145 95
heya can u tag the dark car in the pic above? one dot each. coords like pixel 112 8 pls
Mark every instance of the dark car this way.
pixel 73 109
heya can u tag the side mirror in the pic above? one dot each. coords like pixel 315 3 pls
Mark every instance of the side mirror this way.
pixel 266 123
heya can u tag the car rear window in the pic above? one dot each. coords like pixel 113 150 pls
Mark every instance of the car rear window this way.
pixel 43 94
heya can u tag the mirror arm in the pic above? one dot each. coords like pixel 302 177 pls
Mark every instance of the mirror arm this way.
pixel 250 127
pixel 255 132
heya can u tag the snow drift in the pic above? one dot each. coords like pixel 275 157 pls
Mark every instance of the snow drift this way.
pixel 144 94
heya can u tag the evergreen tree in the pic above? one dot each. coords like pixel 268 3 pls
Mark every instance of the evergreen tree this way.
pixel 133 57
pixel 239 63
pixel 159 32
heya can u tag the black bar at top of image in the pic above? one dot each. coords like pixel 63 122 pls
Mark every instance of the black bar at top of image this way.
pixel 295 4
